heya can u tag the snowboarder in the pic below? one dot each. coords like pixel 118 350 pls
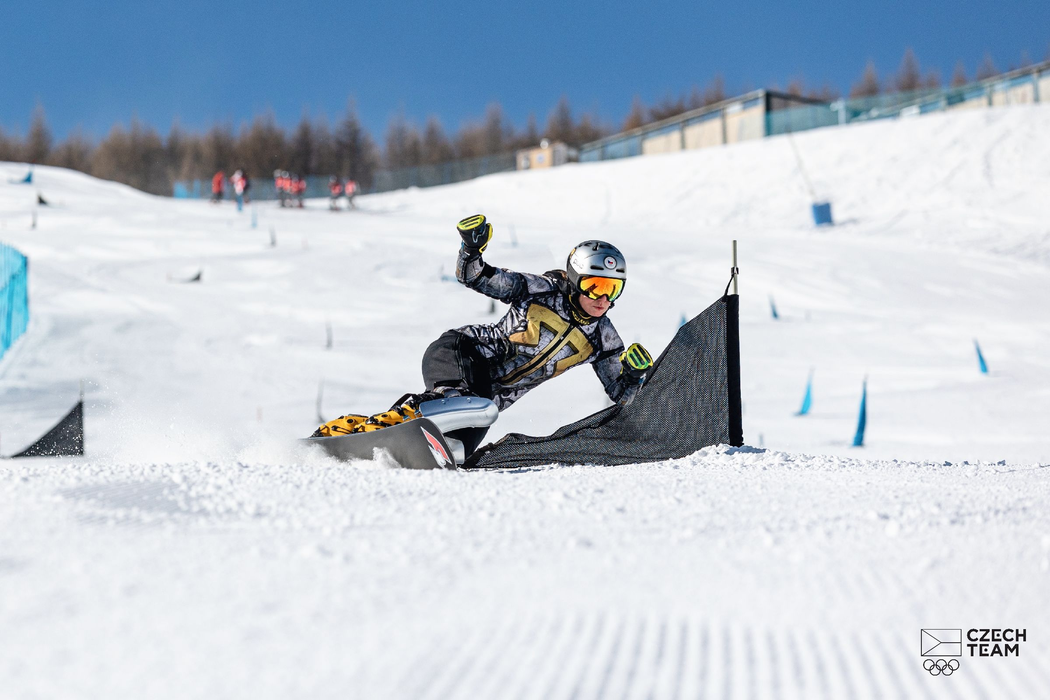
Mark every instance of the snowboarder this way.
pixel 556 321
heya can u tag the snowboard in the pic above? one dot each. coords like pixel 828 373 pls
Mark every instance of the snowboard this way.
pixel 416 444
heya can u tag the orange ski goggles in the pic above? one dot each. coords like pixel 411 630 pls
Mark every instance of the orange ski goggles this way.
pixel 598 287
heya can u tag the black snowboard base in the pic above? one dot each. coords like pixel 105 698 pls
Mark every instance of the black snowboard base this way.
pixel 417 444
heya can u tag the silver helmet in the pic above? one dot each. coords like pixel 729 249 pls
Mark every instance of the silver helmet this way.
pixel 596 259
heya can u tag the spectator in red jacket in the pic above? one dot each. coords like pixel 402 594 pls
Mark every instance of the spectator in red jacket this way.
pixel 218 186
pixel 335 191
pixel 299 188
pixel 239 183
pixel 351 192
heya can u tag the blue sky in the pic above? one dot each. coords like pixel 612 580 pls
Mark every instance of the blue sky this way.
pixel 94 64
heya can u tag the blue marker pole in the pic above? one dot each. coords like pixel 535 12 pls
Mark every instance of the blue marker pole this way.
pixel 807 400
pixel 980 358
pixel 862 420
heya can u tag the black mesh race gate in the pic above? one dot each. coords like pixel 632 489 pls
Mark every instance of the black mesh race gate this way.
pixel 690 400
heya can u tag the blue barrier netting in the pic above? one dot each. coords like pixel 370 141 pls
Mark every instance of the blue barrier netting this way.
pixel 14 296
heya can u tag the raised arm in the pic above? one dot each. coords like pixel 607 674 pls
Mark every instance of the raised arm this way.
pixel 474 272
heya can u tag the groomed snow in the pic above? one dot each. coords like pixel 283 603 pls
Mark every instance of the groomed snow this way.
pixel 197 552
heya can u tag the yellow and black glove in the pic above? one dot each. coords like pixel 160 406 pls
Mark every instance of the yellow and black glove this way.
pixel 476 233
pixel 636 361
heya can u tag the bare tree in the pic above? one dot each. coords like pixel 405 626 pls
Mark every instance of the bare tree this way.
pixel 261 148
pixel 498 133
pixel 695 98
pixel 38 141
pixel 826 93
pixel 530 137
pixel 932 81
pixel 357 153
pixel 402 147
pixel 909 78
pixel 218 149
pixel 715 91
pixel 959 75
pixel 560 126
pixel 303 152
pixel 636 117
pixel 73 153
pixel 10 147
pixel 135 156
pixel 177 148
pixel 987 68
pixel 589 129
pixel 436 146
pixel 326 159
pixel 667 107
pixel 470 140
pixel 868 85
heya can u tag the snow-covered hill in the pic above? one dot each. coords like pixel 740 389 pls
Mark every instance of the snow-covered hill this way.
pixel 196 553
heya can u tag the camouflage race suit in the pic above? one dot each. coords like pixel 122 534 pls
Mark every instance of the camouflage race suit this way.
pixel 541 336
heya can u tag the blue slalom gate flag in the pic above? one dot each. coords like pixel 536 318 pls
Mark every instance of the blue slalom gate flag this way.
pixel 683 321
pixel 807 400
pixel 980 358
pixel 773 308
pixel 822 214
pixel 862 420
pixel 28 179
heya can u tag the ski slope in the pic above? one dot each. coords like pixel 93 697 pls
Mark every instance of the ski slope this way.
pixel 195 551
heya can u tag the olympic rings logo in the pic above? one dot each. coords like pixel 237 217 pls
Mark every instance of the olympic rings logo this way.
pixel 940 667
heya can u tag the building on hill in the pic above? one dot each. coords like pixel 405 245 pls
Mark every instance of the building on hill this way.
pixel 547 155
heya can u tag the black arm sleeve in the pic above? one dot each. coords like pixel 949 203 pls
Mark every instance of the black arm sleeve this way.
pixel 504 285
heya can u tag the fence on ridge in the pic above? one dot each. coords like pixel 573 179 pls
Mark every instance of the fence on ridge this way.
pixel 765 113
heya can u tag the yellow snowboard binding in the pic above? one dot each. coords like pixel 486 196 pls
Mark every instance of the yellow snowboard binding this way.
pixel 396 415
pixel 406 409
pixel 343 425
